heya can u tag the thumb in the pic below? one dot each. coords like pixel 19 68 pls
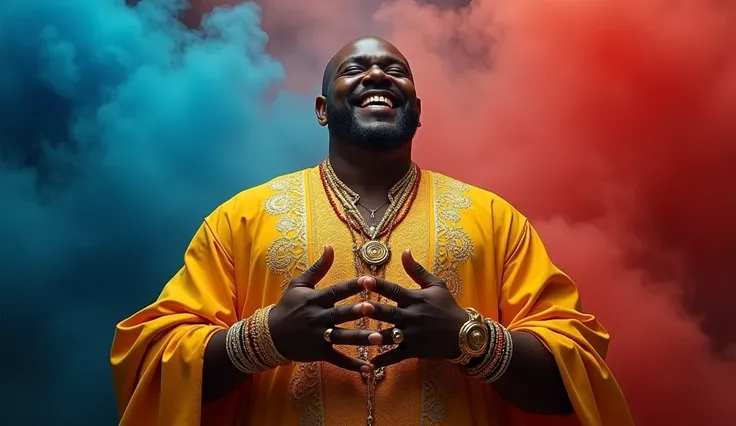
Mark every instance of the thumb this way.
pixel 318 270
pixel 416 271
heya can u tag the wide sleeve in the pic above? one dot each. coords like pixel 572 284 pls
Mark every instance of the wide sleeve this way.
pixel 538 298
pixel 157 353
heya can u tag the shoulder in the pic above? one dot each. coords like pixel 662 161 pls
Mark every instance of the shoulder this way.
pixel 494 218
pixel 481 201
pixel 248 204
pixel 251 201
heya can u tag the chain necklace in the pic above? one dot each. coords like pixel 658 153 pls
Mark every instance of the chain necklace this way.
pixel 372 212
pixel 373 253
pixel 379 232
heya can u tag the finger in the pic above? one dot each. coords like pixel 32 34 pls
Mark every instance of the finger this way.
pixel 389 290
pixel 394 356
pixel 335 357
pixel 386 313
pixel 417 272
pixel 387 336
pixel 317 271
pixel 355 337
pixel 346 313
pixel 335 293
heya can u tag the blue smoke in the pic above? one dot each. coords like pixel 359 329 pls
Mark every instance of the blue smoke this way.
pixel 120 129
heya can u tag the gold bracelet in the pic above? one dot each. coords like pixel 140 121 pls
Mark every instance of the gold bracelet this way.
pixel 234 346
pixel 508 351
pixel 494 355
pixel 250 336
pixel 249 344
pixel 472 338
pixel 487 365
pixel 265 347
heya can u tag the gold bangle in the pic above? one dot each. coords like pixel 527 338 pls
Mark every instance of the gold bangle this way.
pixel 269 352
pixel 234 346
pixel 472 338
pixel 260 356
pixel 508 351
pixel 493 355
pixel 250 346
pixel 250 337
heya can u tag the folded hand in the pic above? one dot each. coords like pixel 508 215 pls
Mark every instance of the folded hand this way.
pixel 429 318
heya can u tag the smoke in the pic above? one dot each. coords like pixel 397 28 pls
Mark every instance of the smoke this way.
pixel 610 124
pixel 120 129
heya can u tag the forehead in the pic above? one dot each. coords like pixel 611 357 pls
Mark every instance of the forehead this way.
pixel 369 50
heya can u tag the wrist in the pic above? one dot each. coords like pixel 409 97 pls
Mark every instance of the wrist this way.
pixel 250 346
pixel 472 338
pixel 497 357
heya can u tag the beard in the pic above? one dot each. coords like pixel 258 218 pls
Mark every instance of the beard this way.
pixel 344 125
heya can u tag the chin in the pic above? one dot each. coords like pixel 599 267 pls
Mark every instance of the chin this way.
pixel 377 128
pixel 383 136
pixel 386 147
pixel 372 133
pixel 380 141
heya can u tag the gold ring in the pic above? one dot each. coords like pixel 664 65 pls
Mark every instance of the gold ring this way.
pixel 328 335
pixel 397 336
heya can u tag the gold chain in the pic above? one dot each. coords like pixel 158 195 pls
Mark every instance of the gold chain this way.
pixel 398 196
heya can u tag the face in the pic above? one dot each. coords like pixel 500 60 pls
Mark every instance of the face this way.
pixel 371 101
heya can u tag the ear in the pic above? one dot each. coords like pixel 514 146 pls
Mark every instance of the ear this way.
pixel 320 110
pixel 419 109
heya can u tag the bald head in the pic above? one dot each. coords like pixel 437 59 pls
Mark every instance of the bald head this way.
pixel 361 49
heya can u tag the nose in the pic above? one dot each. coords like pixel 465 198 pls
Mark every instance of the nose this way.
pixel 374 75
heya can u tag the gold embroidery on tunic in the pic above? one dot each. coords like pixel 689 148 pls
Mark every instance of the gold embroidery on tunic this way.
pixel 436 378
pixel 288 253
pixel 306 381
pixel 305 386
pixel 453 246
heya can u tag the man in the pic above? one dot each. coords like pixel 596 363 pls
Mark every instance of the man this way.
pixel 402 297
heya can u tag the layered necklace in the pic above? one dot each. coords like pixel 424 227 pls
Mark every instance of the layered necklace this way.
pixel 371 248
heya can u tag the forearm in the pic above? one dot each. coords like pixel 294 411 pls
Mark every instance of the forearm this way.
pixel 219 375
pixel 533 382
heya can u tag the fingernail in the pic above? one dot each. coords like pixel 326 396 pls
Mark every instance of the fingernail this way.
pixel 366 369
pixel 375 339
pixel 368 309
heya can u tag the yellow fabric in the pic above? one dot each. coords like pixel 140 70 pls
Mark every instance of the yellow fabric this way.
pixel 344 394
pixel 488 253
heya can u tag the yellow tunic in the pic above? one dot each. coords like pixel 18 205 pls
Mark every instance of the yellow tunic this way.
pixel 245 251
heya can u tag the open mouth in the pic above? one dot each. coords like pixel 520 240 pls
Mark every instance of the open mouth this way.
pixel 376 101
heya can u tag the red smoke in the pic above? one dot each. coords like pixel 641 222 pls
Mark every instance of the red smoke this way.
pixel 612 125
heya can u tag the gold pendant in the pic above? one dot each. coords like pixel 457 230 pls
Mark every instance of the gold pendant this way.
pixel 375 253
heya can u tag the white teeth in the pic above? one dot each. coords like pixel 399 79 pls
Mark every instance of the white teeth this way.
pixel 377 100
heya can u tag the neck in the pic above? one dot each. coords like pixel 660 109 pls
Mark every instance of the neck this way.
pixel 369 173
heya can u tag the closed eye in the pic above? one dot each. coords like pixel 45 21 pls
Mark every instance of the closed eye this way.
pixel 352 70
pixel 397 72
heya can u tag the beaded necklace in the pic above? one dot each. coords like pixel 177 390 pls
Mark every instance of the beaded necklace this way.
pixel 370 251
